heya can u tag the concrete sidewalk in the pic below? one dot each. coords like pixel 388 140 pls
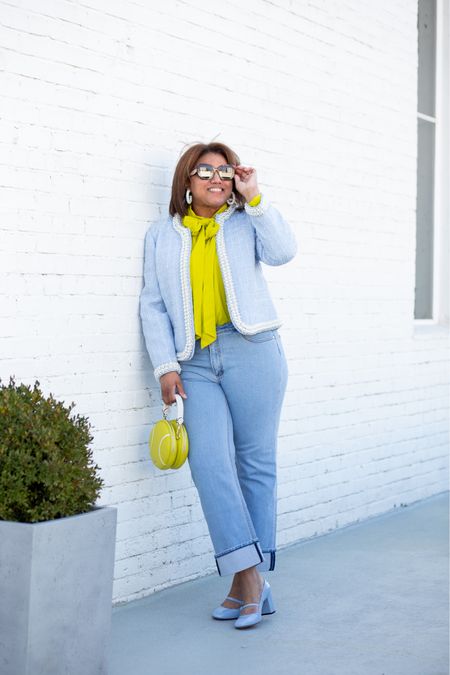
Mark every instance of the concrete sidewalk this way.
pixel 370 599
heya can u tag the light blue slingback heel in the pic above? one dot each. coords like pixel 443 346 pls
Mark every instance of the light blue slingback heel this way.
pixel 265 606
pixel 223 613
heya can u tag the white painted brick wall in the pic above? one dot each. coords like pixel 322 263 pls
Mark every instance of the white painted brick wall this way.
pixel 98 100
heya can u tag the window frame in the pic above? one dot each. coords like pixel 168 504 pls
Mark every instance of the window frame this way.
pixel 441 211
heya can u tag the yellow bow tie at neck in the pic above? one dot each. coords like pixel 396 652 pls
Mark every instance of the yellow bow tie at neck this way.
pixel 203 257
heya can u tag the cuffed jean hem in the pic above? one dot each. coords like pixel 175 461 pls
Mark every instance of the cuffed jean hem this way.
pixel 240 559
pixel 269 562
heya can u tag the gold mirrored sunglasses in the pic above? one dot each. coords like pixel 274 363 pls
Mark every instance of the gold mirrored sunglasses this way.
pixel 207 171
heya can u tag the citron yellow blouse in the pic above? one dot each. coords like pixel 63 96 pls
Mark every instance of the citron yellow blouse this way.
pixel 208 292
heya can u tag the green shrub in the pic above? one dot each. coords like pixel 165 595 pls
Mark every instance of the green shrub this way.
pixel 46 469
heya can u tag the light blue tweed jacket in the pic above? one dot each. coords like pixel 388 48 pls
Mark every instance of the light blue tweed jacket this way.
pixel 245 239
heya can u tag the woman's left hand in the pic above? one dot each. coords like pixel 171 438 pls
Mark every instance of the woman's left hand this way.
pixel 246 181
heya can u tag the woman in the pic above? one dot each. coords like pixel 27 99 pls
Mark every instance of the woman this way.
pixel 211 332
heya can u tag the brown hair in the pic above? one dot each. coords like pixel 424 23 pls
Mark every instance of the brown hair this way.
pixel 186 163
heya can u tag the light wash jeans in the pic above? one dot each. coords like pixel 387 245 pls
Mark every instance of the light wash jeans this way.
pixel 235 389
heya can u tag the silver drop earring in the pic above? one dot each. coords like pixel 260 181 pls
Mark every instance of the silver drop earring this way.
pixel 231 199
pixel 188 196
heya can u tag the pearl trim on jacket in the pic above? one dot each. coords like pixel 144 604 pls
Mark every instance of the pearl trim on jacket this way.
pixel 232 303
pixel 164 368
pixel 165 328
pixel 259 209
pixel 188 310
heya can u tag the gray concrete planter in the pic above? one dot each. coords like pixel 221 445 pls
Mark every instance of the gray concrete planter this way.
pixel 56 594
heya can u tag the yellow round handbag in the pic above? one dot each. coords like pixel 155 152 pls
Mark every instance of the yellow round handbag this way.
pixel 168 442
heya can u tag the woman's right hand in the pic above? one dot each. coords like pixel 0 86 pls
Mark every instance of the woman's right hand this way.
pixel 171 384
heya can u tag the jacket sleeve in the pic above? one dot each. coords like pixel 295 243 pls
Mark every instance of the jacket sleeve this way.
pixel 156 324
pixel 275 239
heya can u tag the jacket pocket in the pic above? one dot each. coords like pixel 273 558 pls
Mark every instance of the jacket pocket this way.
pixel 264 336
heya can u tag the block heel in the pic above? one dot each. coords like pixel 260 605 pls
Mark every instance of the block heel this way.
pixel 265 601
pixel 268 604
